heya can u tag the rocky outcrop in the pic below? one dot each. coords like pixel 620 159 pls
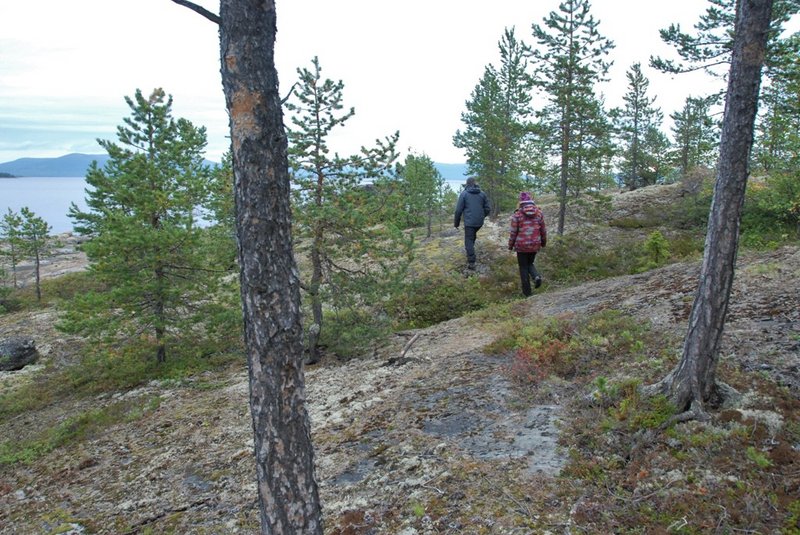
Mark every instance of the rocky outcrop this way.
pixel 17 352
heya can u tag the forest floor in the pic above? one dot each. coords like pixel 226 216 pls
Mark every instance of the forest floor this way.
pixel 451 438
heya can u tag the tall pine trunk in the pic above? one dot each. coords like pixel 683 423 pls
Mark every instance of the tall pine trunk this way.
pixel 565 155
pixel 693 382
pixel 316 299
pixel 430 221
pixel 38 271
pixel 160 316
pixel 270 287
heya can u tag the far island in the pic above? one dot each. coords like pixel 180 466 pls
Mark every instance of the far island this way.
pixel 7 175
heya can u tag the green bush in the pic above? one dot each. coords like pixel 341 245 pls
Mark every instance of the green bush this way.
pixel 69 285
pixel 435 299
pixel 771 212
pixel 684 245
pixel 656 251
pixel 113 369
pixel 351 333
pixel 7 302
pixel 635 222
pixel 567 346
pixel 573 259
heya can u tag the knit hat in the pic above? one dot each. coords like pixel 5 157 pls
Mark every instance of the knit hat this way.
pixel 525 197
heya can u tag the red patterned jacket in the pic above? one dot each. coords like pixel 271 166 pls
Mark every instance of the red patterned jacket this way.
pixel 528 233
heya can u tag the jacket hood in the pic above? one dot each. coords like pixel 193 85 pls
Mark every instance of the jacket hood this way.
pixel 473 189
pixel 529 209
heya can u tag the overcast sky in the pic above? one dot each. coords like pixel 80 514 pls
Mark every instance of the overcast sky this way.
pixel 65 66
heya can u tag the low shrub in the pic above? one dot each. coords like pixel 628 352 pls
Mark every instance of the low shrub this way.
pixel 631 222
pixel 573 259
pixel 113 369
pixel 73 429
pixel 435 299
pixel 569 347
pixel 8 303
pixel 351 333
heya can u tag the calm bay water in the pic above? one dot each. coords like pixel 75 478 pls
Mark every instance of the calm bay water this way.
pixel 48 197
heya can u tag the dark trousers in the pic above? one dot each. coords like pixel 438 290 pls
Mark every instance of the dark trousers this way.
pixel 527 271
pixel 470 233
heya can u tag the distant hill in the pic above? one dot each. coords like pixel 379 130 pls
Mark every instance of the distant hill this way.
pixel 74 164
pixel 70 165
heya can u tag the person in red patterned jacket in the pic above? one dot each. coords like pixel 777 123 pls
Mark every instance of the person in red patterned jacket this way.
pixel 528 234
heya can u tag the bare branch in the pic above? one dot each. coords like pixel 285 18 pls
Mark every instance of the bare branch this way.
pixel 200 10
pixel 289 94
pixel 408 345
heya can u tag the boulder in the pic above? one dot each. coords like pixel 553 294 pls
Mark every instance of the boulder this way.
pixel 17 352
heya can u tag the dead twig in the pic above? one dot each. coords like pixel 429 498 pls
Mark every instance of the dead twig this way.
pixel 137 527
pixel 408 345
pixel 521 507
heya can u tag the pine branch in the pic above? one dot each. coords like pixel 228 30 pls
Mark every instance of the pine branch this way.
pixel 200 10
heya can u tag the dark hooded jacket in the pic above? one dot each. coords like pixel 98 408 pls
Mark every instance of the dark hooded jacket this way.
pixel 474 205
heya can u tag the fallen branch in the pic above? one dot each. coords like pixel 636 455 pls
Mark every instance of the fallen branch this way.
pixel 136 528
pixel 408 345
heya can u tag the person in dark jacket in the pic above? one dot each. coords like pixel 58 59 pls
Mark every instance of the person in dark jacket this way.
pixel 527 235
pixel 474 206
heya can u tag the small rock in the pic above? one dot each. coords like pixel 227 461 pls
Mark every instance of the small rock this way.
pixel 20 495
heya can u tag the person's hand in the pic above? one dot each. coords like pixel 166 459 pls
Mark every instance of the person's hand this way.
pixel 510 247
pixel 544 243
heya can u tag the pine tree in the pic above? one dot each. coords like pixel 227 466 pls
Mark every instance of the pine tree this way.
pixel 593 149
pixel 637 125
pixel 567 64
pixel 695 135
pixel 422 188
pixel 288 497
pixel 778 132
pixel 709 47
pixel 497 122
pixel 10 226
pixel 145 240
pixel 692 384
pixel 34 244
pixel 342 205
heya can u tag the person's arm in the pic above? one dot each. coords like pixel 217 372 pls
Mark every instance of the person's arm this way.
pixel 459 210
pixel 486 207
pixel 543 232
pixel 512 233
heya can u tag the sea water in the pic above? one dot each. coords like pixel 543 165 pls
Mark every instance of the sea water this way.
pixel 47 197
pixel 51 197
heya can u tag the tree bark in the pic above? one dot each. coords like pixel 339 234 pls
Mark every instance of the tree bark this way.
pixel 565 155
pixel 316 299
pixel 37 269
pixel 160 315
pixel 693 382
pixel 270 287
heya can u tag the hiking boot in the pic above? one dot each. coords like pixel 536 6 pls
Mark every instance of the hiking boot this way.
pixel 537 282
pixel 471 266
